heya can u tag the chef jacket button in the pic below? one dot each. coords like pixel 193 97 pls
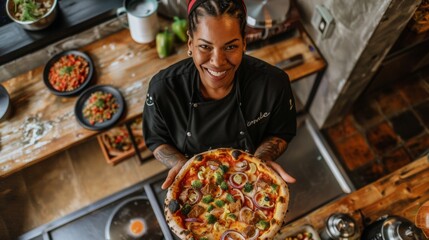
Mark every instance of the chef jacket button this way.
pixel 195 105
pixel 188 134
pixel 241 133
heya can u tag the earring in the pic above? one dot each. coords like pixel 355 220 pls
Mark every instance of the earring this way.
pixel 189 53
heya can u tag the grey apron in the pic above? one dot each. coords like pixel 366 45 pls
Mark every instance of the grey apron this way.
pixel 215 124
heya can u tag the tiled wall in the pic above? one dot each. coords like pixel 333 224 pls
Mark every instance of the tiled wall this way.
pixel 385 130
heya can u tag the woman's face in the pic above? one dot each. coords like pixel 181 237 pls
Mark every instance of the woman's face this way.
pixel 217 50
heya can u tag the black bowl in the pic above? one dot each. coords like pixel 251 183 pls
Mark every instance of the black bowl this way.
pixel 5 104
pixel 79 89
pixel 80 104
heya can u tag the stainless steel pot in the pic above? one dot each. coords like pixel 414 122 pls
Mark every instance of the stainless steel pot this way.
pixel 171 8
pixel 38 24
pixel 266 13
pixel 392 228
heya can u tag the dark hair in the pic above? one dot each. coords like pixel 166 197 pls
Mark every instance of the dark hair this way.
pixel 216 8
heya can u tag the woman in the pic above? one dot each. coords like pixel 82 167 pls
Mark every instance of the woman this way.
pixel 219 97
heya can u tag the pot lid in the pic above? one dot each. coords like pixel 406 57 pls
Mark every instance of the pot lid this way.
pixel 341 226
pixel 399 228
pixel 266 13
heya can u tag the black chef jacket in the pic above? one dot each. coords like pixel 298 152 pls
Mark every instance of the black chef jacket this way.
pixel 261 104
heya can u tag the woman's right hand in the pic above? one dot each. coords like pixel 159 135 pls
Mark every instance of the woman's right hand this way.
pixel 173 159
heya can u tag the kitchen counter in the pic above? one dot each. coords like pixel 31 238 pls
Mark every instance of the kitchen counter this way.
pixel 43 124
pixel 400 193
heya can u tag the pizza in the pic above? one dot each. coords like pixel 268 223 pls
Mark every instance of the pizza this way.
pixel 226 194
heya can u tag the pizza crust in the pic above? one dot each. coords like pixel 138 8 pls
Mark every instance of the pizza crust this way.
pixel 280 207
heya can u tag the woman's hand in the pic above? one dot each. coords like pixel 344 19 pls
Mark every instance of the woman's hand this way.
pixel 173 159
pixel 288 178
pixel 269 150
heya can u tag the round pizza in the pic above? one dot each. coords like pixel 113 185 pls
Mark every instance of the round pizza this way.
pixel 226 194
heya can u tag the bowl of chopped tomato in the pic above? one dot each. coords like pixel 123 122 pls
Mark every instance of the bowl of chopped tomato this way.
pixel 99 107
pixel 68 73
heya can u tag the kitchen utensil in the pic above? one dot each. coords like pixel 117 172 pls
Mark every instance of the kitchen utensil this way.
pixel 142 19
pixel 392 228
pixel 82 101
pixel 172 8
pixel 422 218
pixel 38 24
pixel 130 211
pixel 266 13
pixel 340 226
pixel 81 87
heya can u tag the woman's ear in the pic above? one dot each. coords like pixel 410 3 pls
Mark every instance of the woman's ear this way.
pixel 189 40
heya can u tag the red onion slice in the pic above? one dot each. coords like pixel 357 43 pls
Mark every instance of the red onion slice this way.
pixel 241 216
pixel 249 202
pixel 193 220
pixel 235 184
pixel 195 198
pixel 236 192
pixel 255 201
pixel 241 166
pixel 255 235
pixel 213 165
pixel 226 234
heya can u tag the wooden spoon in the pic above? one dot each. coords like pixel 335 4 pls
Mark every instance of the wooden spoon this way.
pixel 422 218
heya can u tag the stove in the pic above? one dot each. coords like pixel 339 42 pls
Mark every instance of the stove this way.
pixel 308 159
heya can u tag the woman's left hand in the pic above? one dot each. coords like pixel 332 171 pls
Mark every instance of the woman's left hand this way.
pixel 288 178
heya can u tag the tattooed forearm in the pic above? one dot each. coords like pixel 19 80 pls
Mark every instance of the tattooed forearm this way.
pixel 168 155
pixel 271 148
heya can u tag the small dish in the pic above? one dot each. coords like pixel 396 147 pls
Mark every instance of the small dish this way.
pixel 83 104
pixel 305 231
pixel 68 73
pixel 5 104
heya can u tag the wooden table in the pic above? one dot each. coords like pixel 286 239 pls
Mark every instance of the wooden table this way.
pixel 400 193
pixel 43 124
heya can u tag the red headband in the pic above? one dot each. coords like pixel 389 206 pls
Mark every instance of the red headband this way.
pixel 191 6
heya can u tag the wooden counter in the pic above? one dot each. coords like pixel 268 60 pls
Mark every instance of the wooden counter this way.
pixel 400 193
pixel 43 124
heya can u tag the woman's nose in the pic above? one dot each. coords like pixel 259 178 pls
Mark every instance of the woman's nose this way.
pixel 218 58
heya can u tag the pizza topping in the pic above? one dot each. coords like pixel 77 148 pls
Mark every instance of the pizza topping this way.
pixel 185 209
pixel 235 154
pixel 232 234
pixel 214 165
pixel 246 215
pixel 252 168
pixel 241 166
pixel 190 195
pixel 238 194
pixel 248 187
pixel 263 225
pixel 211 219
pixel 251 232
pixel 173 205
pixel 197 184
pixel 261 200
pixel 238 179
pixel 196 211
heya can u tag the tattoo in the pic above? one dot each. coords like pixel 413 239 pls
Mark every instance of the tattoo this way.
pixel 168 155
pixel 271 148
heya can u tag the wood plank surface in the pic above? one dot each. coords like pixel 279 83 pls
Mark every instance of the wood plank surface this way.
pixel 400 193
pixel 43 124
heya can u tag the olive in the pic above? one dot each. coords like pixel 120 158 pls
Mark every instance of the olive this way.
pixel 173 205
pixel 236 154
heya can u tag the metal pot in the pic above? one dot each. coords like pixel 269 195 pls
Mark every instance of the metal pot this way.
pixel 38 24
pixel 392 228
pixel 171 8
pixel 266 13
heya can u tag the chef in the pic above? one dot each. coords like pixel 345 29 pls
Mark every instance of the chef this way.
pixel 219 96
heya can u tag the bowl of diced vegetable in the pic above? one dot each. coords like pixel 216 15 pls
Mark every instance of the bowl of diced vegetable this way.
pixel 99 107
pixel 305 232
pixel 32 14
pixel 68 73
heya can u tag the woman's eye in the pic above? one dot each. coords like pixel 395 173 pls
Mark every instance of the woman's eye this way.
pixel 231 47
pixel 204 47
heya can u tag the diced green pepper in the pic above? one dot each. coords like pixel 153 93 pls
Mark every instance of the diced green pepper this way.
pixel 230 198
pixel 224 168
pixel 219 178
pixel 207 199
pixel 224 185
pixel 232 216
pixel 196 184
pixel 210 208
pixel 185 209
pixel 263 225
pixel 219 203
pixel 248 187
pixel 211 218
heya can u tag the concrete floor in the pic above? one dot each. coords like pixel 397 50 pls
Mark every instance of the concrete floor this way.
pixel 63 184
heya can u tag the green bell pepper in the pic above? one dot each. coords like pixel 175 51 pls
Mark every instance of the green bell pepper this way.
pixel 179 27
pixel 164 43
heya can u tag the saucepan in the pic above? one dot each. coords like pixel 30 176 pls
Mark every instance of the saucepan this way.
pixel 32 14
